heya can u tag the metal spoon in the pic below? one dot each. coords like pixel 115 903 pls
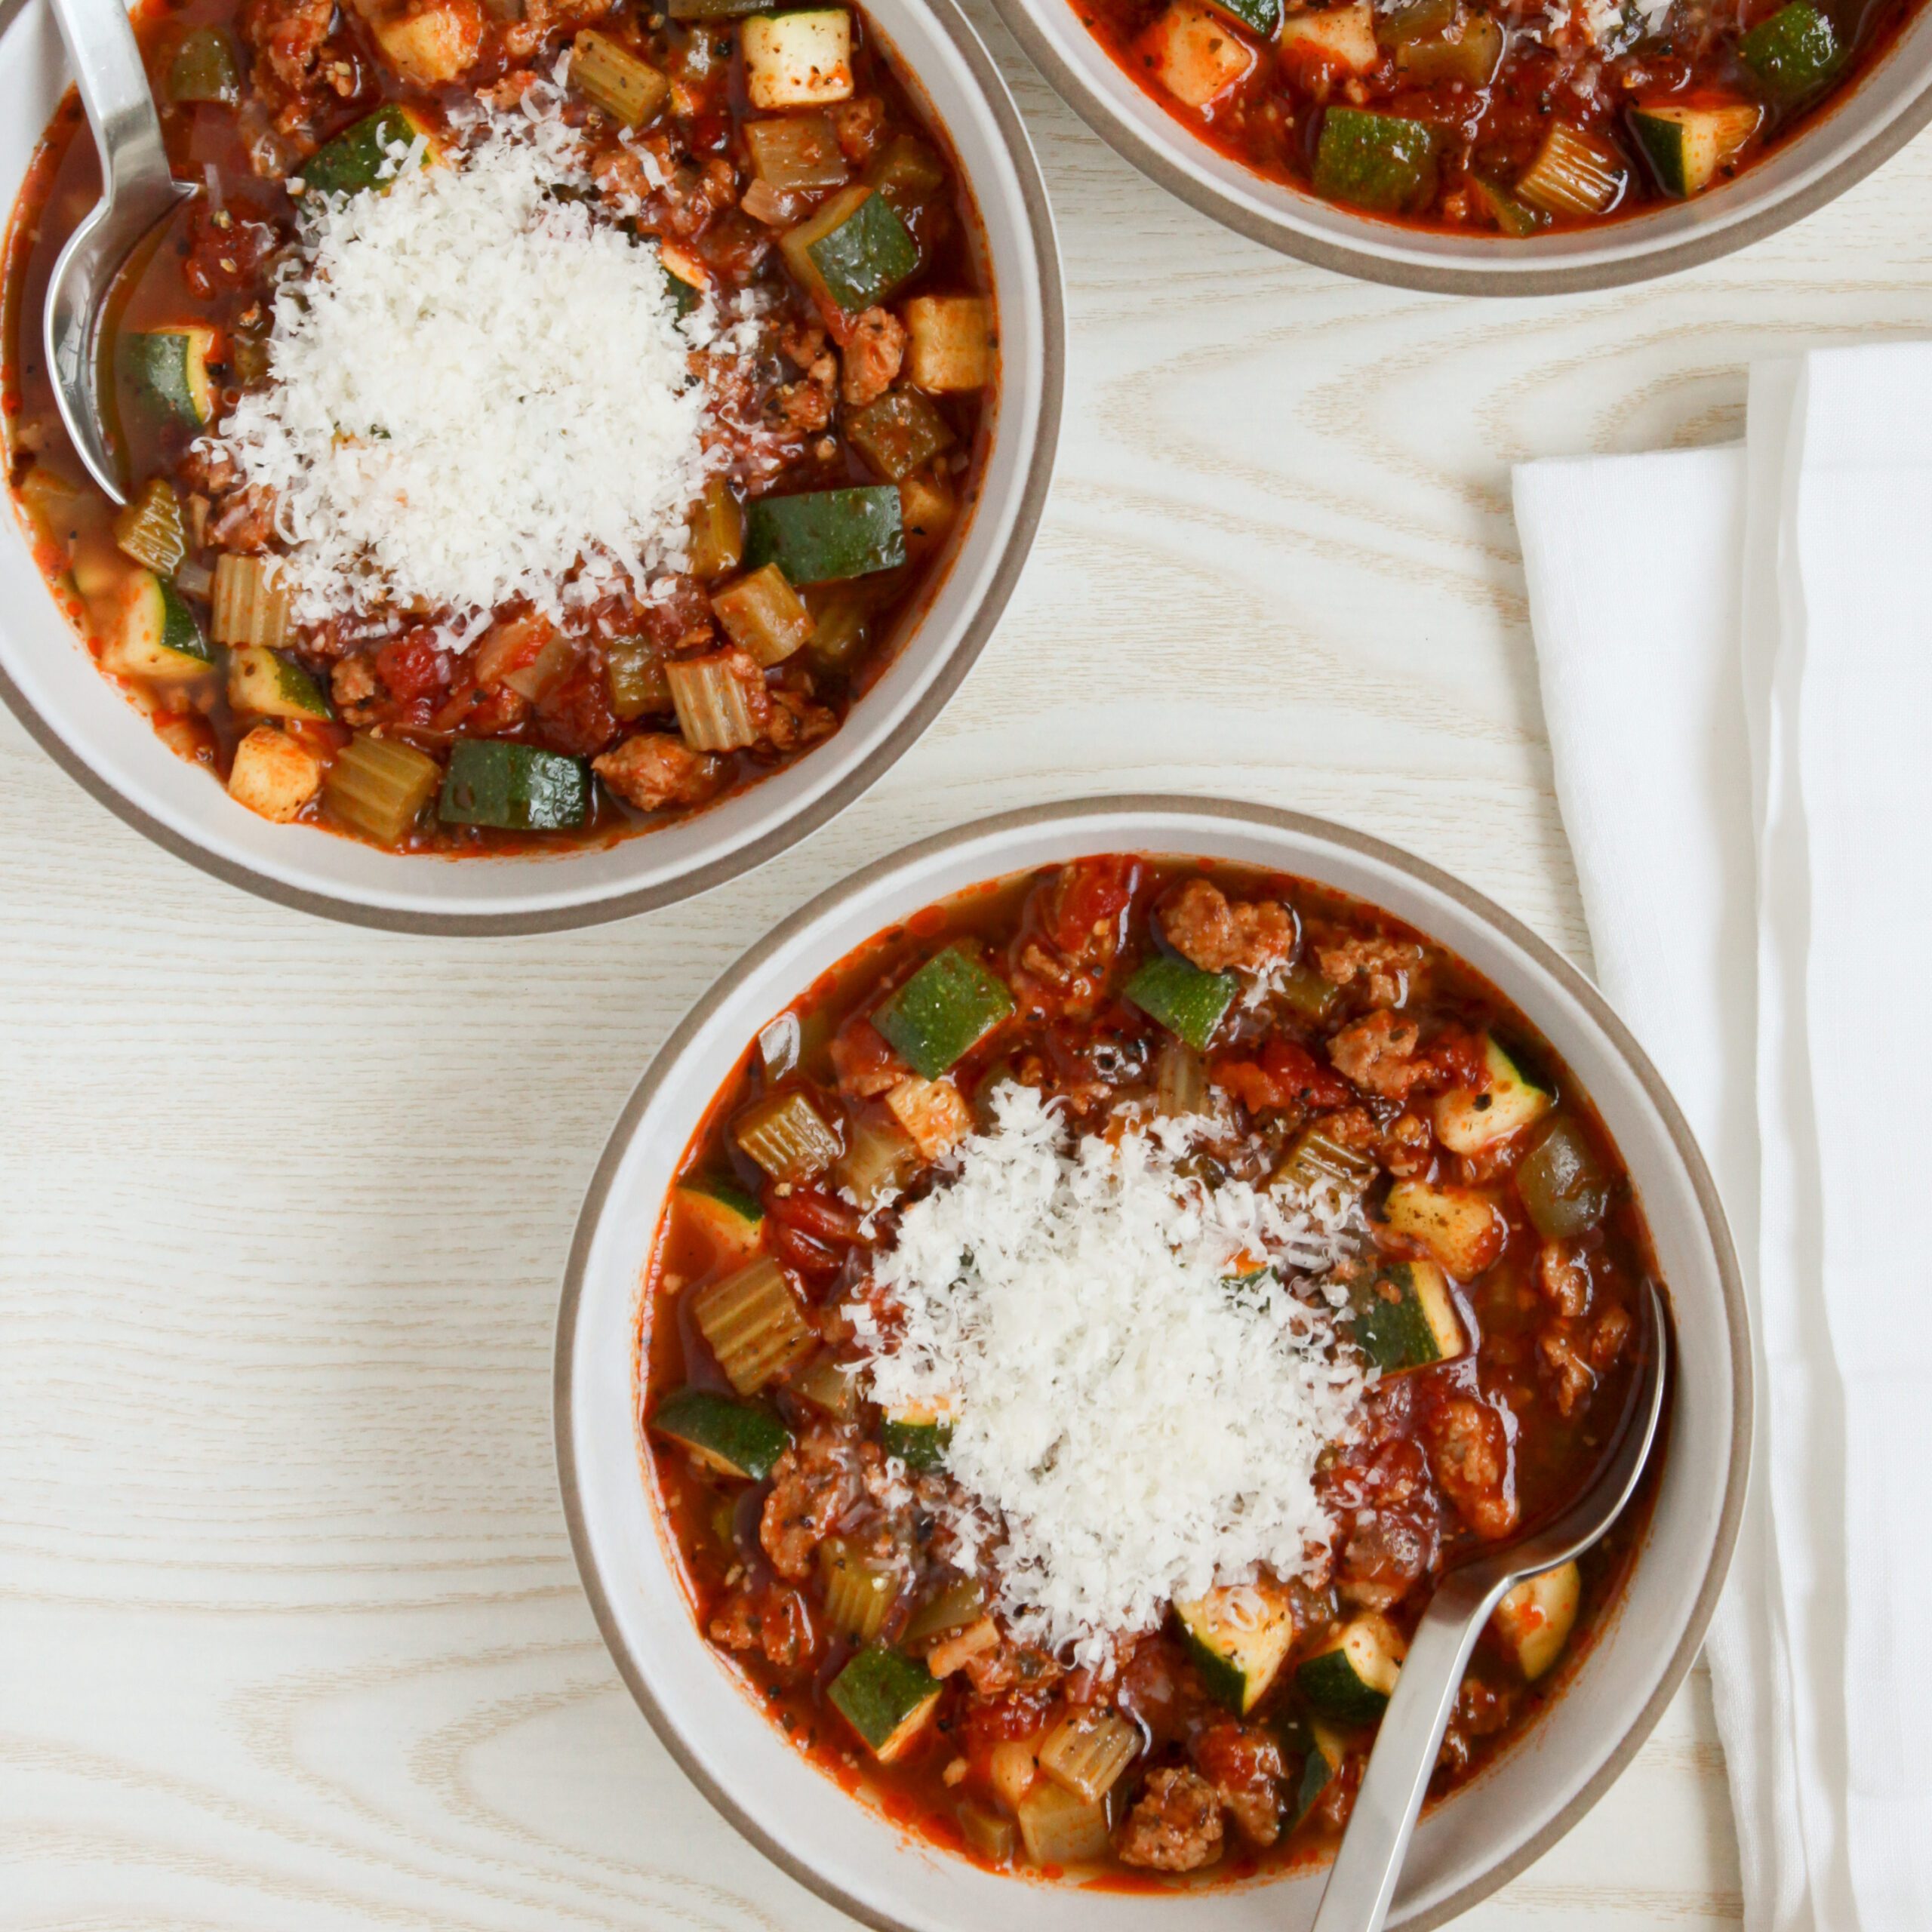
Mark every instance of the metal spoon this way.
pixel 1362 1881
pixel 139 190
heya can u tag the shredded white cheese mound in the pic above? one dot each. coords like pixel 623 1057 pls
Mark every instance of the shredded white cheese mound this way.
pixel 475 387
pixel 1133 1428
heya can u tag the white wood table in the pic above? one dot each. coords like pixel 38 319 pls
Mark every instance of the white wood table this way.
pixel 290 1634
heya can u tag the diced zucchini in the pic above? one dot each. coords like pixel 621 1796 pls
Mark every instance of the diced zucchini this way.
pixel 1341 38
pixel 378 786
pixel 1469 52
pixel 1510 215
pixel 371 154
pixel 1320 1169
pixel 887 1698
pixel 1239 1637
pixel 796 152
pixel 1321 1752
pixel 1561 1183
pixel 1793 53
pixel 831 1383
pixel 946 1008
pixel 1190 53
pixel 763 615
pixel 1062 1828
pixel 1261 16
pixel 1468 1119
pixel 787 1136
pixel 752 1325
pixel 1535 1619
pixel 949 343
pixel 607 73
pixel 731 1221
pixel 634 676
pixel 898 432
pixel 150 529
pixel 273 775
pixel 906 172
pixel 855 250
pixel 860 1590
pixel 205 68
pixel 1573 173
pixel 959 1603
pixel 1350 1678
pixel 734 1439
pixel 819 535
pixel 1404 1318
pixel 799 59
pixel 1460 1226
pixel 152 634
pixel 249 603
pixel 518 788
pixel 1386 163
pixel 715 10
pixel 1087 1751
pixel 1187 1002
pixel 718 531
pixel 918 1436
pixel 271 686
pixel 1686 146
pixel 168 369
pixel 712 712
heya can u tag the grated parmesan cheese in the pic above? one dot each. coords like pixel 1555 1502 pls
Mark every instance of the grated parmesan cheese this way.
pixel 1128 1428
pixel 477 389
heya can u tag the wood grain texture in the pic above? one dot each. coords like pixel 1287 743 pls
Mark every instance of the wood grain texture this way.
pixel 289 1635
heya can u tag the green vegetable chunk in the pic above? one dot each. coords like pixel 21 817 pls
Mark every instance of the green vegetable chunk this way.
pixel 1404 1318
pixel 950 1003
pixel 726 1213
pixel 866 257
pixel 1562 1185
pixel 1239 1639
pixel 265 682
pixel 169 370
pixel 1264 17
pixel 1383 162
pixel 205 69
pixel 919 1445
pixel 355 159
pixel 514 787
pixel 1687 146
pixel 1185 1000
pixel 1350 1679
pixel 735 1439
pixel 1321 1753
pixel 1793 53
pixel 823 534
pixel 886 1697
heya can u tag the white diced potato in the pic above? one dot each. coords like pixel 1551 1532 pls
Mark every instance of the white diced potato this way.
pixel 799 60
pixel 933 1111
pixel 1195 54
pixel 1341 38
pixel 430 43
pixel 1014 1767
pixel 927 507
pixel 949 342
pixel 273 775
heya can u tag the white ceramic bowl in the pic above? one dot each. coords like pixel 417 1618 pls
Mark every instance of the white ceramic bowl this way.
pixel 845 1850
pixel 89 727
pixel 1871 120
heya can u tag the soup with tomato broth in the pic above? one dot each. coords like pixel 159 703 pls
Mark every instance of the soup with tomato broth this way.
pixel 1087 1325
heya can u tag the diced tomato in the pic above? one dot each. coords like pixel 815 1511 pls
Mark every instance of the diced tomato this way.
pixel 576 717
pixel 1088 893
pixel 801 1252
pixel 1285 1076
pixel 864 1063
pixel 814 1212
pixel 998 1721
pixel 413 666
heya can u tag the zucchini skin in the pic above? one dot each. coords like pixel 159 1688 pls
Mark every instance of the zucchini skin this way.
pixel 1385 163
pixel 1404 1318
pixel 886 1696
pixel 1794 54
pixel 516 788
pixel 169 370
pixel 1181 997
pixel 352 162
pixel 942 1011
pixel 819 536
pixel 736 1438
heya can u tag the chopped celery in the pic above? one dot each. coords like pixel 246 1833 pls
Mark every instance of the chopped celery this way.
pixel 787 1135
pixel 989 1835
pixel 763 615
pixel 878 1156
pixel 1061 1828
pixel 378 786
pixel 906 172
pixel 150 529
pixel 205 69
pixel 249 605
pixel 899 432
pixel 710 703
pixel 1383 162
pixel 860 1591
pixel 734 1439
pixel 54 503
pixel 1573 173
pixel 609 75
pixel 516 788
pixel 818 535
pixel 855 250
pixel 1087 1751
pixel 1470 53
pixel 1416 19
pixel 1321 1169
pixel 634 671
pixel 718 531
pixel 1182 998
pixel 831 1384
pixel 796 151
pixel 1180 1080
pixel 946 1007
pixel 751 1323
pixel 841 626
pixel 1509 213
pixel 959 1603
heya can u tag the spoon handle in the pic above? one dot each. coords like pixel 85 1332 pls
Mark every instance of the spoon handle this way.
pixel 1362 1880
pixel 113 82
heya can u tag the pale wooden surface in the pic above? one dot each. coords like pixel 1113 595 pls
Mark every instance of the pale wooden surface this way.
pixel 290 1635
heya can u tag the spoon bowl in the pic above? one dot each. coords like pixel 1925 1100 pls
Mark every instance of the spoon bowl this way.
pixel 1362 1881
pixel 138 191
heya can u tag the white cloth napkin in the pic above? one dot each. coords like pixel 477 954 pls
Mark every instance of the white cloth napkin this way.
pixel 1736 649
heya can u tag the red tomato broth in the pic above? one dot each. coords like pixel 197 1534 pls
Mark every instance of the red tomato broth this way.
pixel 713 1525
pixel 196 271
pixel 1271 120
